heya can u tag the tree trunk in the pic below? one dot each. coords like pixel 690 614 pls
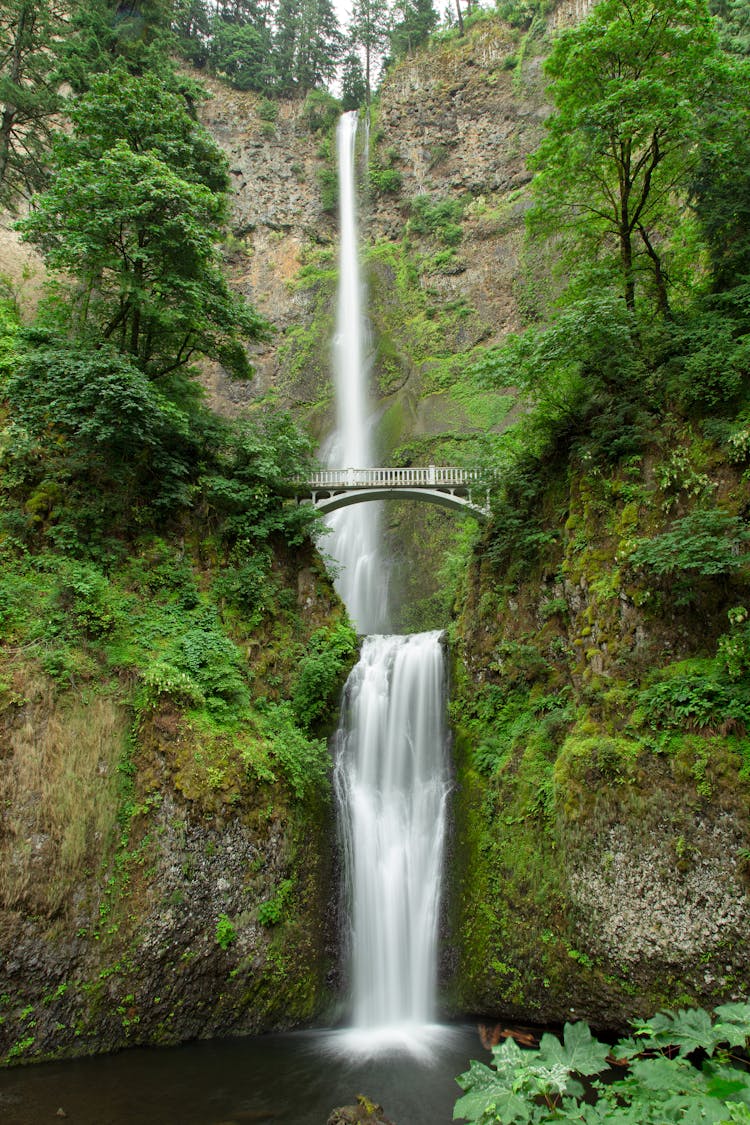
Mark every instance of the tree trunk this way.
pixel 626 259
pixel 660 281
pixel 9 110
pixel 6 131
pixel 460 18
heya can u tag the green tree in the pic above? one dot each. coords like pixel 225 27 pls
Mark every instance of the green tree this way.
pixel 135 34
pixel 308 43
pixel 191 23
pixel 134 212
pixel 628 86
pixel 733 21
pixel 28 93
pixel 369 29
pixel 415 20
pixel 353 85
pixel 243 53
pixel 721 183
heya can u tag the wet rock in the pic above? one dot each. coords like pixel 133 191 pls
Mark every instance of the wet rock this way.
pixel 365 1111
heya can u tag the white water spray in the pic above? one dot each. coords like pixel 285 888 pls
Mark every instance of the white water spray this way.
pixel 354 542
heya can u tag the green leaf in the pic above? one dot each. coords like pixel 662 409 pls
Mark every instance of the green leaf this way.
pixel 688 1029
pixel 579 1052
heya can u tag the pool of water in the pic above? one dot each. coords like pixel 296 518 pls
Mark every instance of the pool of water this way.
pixel 292 1079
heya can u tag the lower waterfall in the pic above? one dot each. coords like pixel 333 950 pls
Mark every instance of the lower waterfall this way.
pixel 391 783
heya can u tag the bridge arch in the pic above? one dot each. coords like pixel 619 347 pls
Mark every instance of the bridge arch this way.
pixel 331 489
pixel 332 501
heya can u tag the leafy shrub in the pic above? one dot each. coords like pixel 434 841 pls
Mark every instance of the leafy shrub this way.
pixel 520 13
pixel 437 217
pixel 271 912
pixel 243 488
pixel 201 667
pixel 320 111
pixel 304 761
pixel 329 190
pixel 734 647
pixel 711 370
pixel 661 1082
pixel 696 700
pixel 708 542
pixel 321 672
pixel 385 180
pixel 226 932
pixel 267 110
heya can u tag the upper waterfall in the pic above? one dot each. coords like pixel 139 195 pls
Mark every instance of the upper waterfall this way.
pixel 354 542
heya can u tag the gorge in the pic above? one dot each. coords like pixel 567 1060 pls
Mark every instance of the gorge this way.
pixel 168 833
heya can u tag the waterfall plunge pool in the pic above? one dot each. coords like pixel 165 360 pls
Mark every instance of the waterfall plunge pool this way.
pixel 291 1079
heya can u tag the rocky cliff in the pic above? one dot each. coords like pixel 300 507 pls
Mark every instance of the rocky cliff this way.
pixel 165 873
pixel 603 832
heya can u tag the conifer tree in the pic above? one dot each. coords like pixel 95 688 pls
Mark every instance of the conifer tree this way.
pixel 415 20
pixel 28 93
pixel 370 29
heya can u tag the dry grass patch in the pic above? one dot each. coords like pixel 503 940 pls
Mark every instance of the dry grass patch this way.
pixel 58 795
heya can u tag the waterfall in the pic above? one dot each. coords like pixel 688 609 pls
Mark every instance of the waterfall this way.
pixel 354 542
pixel 391 785
pixel 390 775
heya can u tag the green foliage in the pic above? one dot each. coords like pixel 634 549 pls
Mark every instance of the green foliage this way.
pixel 520 730
pixel 321 673
pixel 201 666
pixel 135 210
pixel 226 932
pixel 629 83
pixel 241 490
pixel 271 912
pixel 708 368
pixel 695 702
pixel 100 36
pixel 414 21
pixel 707 542
pixel 304 761
pixel 329 189
pixel 268 110
pixel 520 13
pixel 29 31
pixel 320 111
pixel 734 647
pixel 439 218
pixel 240 53
pixel 368 32
pixel 720 185
pixel 385 180
pixel 661 1083
pixel 353 83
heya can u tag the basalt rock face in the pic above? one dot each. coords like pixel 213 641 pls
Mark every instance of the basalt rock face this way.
pixel 456 123
pixel 601 862
pixel 156 884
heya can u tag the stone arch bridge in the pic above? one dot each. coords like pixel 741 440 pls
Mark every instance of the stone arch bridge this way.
pixel 330 489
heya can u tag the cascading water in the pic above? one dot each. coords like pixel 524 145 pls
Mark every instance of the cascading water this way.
pixel 391 785
pixel 354 542
pixel 391 777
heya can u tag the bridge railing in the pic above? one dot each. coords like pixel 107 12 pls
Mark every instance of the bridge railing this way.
pixel 390 477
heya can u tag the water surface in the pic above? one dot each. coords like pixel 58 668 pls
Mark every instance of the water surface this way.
pixel 293 1079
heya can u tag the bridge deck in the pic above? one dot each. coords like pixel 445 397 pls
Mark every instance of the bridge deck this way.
pixel 414 477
